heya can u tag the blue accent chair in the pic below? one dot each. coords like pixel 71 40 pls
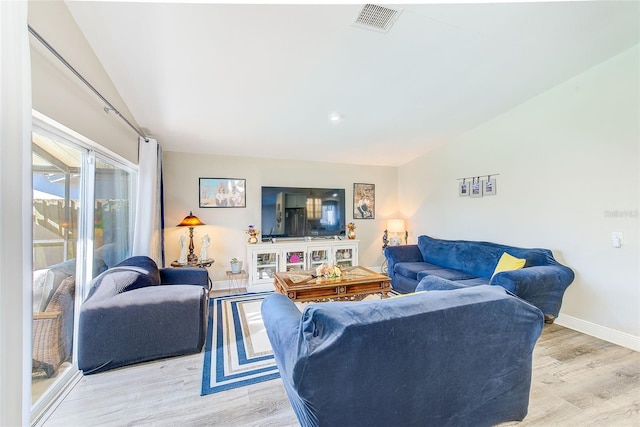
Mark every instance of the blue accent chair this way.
pixel 135 312
pixel 452 358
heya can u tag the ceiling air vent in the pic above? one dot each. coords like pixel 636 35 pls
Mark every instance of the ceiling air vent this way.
pixel 377 18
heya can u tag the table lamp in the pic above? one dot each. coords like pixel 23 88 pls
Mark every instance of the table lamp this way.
pixel 395 227
pixel 191 221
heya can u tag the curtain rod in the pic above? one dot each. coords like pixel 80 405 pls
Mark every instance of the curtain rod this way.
pixel 78 75
pixel 478 176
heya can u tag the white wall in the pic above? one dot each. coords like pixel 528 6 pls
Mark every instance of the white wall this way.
pixel 226 226
pixel 567 159
pixel 60 95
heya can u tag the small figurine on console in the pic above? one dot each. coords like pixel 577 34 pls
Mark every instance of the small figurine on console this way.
pixel 253 234
pixel 183 250
pixel 204 252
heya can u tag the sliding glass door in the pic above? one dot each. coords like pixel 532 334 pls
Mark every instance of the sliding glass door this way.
pixel 82 224
pixel 58 174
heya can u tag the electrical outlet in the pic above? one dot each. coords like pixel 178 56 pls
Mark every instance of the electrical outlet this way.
pixel 616 239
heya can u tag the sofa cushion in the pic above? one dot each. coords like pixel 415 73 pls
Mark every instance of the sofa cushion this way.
pixel 411 269
pixel 475 281
pixel 508 263
pixel 445 273
pixel 146 264
pixel 132 273
pixel 475 258
pixel 435 283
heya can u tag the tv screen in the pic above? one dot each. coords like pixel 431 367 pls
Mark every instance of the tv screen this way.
pixel 302 212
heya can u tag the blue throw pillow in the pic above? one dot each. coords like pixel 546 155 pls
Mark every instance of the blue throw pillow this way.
pixel 143 264
pixel 132 273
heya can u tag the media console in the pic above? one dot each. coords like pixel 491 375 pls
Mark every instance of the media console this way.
pixel 266 259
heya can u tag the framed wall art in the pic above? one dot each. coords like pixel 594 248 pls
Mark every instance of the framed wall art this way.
pixel 489 186
pixel 222 193
pixel 463 188
pixel 476 188
pixel 364 201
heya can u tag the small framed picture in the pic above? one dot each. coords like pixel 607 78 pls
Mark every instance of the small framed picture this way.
pixel 463 189
pixel 489 186
pixel 476 189
pixel 222 193
pixel 364 201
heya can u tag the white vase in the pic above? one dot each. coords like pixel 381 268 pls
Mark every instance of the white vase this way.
pixel 236 267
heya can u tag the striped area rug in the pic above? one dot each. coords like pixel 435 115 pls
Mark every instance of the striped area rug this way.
pixel 237 349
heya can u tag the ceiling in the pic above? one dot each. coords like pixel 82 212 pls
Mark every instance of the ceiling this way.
pixel 261 80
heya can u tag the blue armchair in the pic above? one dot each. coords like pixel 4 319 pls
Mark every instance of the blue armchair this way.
pixel 135 312
pixel 454 358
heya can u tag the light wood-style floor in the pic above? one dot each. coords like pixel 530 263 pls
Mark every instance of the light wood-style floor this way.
pixel 577 381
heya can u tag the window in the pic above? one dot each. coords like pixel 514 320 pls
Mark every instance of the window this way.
pixel 329 214
pixel 314 208
pixel 82 210
pixel 113 217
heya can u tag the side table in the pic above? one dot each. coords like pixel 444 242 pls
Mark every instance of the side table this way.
pixel 201 264
pixel 237 280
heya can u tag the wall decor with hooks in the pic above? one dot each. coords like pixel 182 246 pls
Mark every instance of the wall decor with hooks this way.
pixel 477 186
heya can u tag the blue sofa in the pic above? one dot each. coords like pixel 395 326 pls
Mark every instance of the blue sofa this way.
pixel 442 358
pixel 452 264
pixel 135 312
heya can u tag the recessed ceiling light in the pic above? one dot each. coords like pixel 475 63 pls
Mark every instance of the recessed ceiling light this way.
pixel 335 117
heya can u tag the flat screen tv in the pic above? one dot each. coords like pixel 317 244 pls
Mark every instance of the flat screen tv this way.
pixel 302 212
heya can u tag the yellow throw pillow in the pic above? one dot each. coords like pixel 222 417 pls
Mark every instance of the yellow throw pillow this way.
pixel 508 263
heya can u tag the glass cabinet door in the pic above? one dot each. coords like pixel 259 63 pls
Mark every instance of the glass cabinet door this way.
pixel 294 259
pixel 266 264
pixel 318 256
pixel 344 256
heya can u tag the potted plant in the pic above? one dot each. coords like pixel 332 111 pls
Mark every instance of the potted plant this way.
pixel 236 265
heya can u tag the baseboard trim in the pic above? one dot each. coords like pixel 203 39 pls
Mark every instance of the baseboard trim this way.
pixel 611 335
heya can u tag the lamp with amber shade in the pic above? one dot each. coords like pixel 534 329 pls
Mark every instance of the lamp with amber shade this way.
pixel 191 221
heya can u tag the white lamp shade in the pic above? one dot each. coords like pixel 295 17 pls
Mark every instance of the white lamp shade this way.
pixel 395 225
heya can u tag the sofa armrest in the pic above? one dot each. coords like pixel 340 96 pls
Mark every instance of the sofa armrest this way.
pixel 184 276
pixel 402 253
pixel 281 319
pixel 141 324
pixel 542 285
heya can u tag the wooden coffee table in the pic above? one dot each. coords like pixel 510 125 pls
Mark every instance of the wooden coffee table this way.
pixel 355 284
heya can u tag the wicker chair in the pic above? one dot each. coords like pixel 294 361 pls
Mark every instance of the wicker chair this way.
pixel 53 329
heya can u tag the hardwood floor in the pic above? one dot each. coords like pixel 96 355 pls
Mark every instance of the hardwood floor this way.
pixel 577 381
